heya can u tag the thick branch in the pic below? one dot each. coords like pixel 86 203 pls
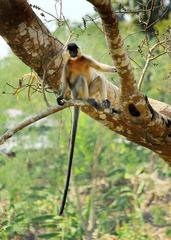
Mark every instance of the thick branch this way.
pixel 30 40
pixel 118 53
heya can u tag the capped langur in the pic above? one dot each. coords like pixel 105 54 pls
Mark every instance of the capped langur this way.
pixel 80 75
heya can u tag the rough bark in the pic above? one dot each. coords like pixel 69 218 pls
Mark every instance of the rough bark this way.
pixel 135 119
pixel 30 40
pixel 119 56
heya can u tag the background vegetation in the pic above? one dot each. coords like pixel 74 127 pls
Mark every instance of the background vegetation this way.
pixel 117 187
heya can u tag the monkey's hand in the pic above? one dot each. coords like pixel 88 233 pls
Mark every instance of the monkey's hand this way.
pixel 60 100
pixel 106 103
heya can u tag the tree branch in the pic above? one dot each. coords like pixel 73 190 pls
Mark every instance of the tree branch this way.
pixel 150 58
pixel 143 73
pixel 115 42
pixel 30 40
pixel 51 110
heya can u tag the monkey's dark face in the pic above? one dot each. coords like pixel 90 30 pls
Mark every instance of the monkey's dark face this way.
pixel 73 50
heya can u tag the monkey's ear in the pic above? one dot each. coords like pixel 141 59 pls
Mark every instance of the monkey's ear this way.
pixel 66 56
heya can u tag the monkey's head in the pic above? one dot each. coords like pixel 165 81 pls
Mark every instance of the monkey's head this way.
pixel 73 51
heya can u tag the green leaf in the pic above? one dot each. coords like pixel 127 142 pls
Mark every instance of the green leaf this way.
pixel 41 218
pixel 48 235
pixel 48 225
pixel 141 188
pixel 115 171
pixel 4 223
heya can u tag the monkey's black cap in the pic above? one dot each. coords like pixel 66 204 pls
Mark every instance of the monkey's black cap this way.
pixel 72 47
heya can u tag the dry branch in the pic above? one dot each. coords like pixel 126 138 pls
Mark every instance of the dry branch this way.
pixel 150 58
pixel 32 119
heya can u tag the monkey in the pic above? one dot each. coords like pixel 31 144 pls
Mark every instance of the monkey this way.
pixel 84 68
pixel 80 75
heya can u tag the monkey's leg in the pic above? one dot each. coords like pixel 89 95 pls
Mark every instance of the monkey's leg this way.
pixel 99 85
pixel 80 90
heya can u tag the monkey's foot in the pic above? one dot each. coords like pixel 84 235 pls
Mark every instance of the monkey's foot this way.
pixel 114 69
pixel 115 111
pixel 93 103
pixel 60 100
pixel 106 103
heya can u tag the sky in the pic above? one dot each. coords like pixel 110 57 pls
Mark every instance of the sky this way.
pixel 73 10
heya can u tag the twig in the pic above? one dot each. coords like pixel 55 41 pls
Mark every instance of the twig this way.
pixel 9 133
pixel 149 18
pixel 160 54
pixel 40 9
pixel 143 73
pixel 156 45
pixel 153 23
pixel 45 70
pixel 137 11
pixel 135 62
pixel 94 23
pixel 132 34
pixel 43 88
pixel 149 59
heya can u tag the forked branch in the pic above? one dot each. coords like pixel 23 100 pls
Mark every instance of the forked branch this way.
pixel 150 57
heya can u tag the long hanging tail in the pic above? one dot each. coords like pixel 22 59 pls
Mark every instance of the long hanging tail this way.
pixel 71 152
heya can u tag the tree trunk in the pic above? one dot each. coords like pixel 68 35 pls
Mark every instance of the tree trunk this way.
pixel 145 122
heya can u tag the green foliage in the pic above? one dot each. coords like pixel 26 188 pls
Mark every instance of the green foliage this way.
pixel 113 180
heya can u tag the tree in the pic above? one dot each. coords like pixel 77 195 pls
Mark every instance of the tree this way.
pixel 144 121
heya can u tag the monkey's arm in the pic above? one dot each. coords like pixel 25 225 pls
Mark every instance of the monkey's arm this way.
pixel 64 86
pixel 100 66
